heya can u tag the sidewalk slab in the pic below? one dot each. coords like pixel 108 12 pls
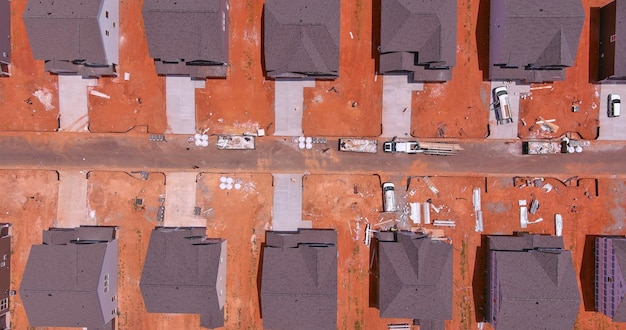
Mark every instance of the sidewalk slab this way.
pixel 180 200
pixel 289 105
pixel 73 104
pixel 287 210
pixel 180 104
pixel 72 200
pixel 397 97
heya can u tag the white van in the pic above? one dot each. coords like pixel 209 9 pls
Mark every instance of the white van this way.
pixel 389 197
pixel 502 105
pixel 615 105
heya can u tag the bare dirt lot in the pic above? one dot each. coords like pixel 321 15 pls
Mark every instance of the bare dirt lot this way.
pixel 29 205
pixel 21 110
pixel 460 107
pixel 241 217
pixel 352 102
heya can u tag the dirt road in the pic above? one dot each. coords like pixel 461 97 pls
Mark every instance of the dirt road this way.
pixel 134 152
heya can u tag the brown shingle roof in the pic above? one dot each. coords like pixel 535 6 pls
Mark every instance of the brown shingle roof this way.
pixel 184 31
pixel 422 29
pixel 184 272
pixel 415 278
pixel 301 38
pixel 65 278
pixel 299 283
pixel 536 285
pixel 538 34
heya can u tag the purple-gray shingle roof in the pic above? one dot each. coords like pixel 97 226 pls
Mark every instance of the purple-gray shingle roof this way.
pixel 180 32
pixel 71 279
pixel 528 35
pixel 414 278
pixel 185 272
pixel 417 36
pixel 65 30
pixel 534 281
pixel 299 280
pixel 301 38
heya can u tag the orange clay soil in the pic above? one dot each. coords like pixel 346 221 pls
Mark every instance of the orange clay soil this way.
pixel 347 203
pixel 20 108
pixel 244 101
pixel 30 205
pixel 460 107
pixel 351 104
pixel 555 100
pixel 139 101
pixel 241 217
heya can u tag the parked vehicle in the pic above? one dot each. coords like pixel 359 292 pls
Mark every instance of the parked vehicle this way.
pixel 409 147
pixel 429 148
pixel 389 197
pixel 502 105
pixel 358 145
pixel 615 105
pixel 236 142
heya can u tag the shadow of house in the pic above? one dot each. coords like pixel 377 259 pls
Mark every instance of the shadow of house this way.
pixel 612 37
pixel 533 41
pixel 185 272
pixel 531 283
pixel 188 38
pixel 418 38
pixel 5 39
pixel 414 278
pixel 74 37
pixel 71 279
pixel 5 274
pixel 299 280
pixel 301 39
pixel 610 284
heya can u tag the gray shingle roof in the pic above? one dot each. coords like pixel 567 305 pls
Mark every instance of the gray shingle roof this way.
pixel 415 278
pixel 301 38
pixel 63 283
pixel 183 31
pixel 619 248
pixel 537 284
pixel 425 27
pixel 182 272
pixel 299 283
pixel 65 30
pixel 536 33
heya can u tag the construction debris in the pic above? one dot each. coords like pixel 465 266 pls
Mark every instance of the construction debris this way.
pixel 558 224
pixel 477 208
pixel 430 185
pixel 426 209
pixel 444 223
pixel 534 206
pixel 415 214
pixel 523 213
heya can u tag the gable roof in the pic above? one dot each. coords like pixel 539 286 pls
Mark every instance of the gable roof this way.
pixel 537 285
pixel 424 27
pixel 415 278
pixel 184 272
pixel 535 33
pixel 301 38
pixel 619 251
pixel 63 285
pixel 299 283
pixel 186 31
pixel 65 30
